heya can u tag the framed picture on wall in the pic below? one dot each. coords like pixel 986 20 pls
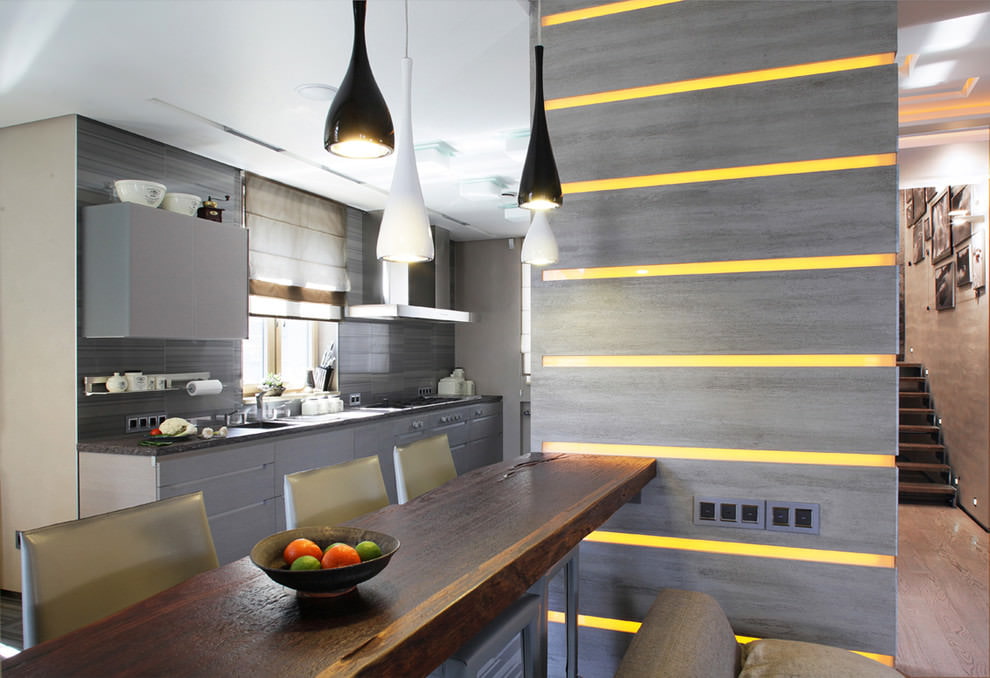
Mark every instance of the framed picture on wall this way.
pixel 978 259
pixel 945 287
pixel 930 192
pixel 920 204
pixel 959 199
pixel 919 242
pixel 907 199
pixel 962 267
pixel 941 229
pixel 926 224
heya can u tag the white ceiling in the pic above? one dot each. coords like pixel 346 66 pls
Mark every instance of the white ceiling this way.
pixel 188 72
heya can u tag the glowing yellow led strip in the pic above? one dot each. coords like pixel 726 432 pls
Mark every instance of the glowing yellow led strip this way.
pixel 602 10
pixel 626 626
pixel 732 173
pixel 729 548
pixel 727 80
pixel 725 454
pixel 741 360
pixel 722 267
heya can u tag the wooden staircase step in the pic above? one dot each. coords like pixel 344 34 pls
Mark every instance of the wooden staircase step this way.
pixel 901 363
pixel 921 466
pixel 913 394
pixel 917 410
pixel 914 379
pixel 934 448
pixel 917 428
pixel 925 488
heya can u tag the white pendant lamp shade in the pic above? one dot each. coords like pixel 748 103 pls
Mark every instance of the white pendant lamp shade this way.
pixel 405 232
pixel 540 247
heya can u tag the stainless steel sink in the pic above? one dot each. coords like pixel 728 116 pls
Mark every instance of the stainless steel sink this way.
pixel 264 424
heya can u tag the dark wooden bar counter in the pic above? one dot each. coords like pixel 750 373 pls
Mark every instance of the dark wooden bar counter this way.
pixel 468 549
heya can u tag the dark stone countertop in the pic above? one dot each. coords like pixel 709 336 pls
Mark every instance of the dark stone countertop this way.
pixel 129 444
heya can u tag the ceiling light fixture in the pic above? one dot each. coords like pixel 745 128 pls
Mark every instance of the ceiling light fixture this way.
pixel 405 234
pixel 539 187
pixel 358 122
pixel 540 247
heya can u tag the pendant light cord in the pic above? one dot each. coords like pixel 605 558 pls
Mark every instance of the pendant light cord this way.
pixel 407 29
pixel 539 22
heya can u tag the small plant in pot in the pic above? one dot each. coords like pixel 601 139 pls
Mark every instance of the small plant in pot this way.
pixel 273 385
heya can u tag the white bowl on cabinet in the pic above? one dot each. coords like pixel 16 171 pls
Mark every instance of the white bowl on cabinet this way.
pixel 148 193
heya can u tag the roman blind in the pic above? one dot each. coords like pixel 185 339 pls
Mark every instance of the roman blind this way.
pixel 297 244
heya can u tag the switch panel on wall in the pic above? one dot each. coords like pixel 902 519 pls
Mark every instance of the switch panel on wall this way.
pixel 726 512
pixel 791 516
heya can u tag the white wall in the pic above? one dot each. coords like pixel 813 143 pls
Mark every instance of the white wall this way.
pixel 488 283
pixel 37 331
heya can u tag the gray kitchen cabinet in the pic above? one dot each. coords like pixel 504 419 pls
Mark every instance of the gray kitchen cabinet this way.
pixel 305 451
pixel 238 488
pixel 485 439
pixel 149 272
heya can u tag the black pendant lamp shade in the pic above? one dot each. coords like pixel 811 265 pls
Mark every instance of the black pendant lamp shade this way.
pixel 539 187
pixel 358 123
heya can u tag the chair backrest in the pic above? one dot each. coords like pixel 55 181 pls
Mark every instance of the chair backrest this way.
pixel 76 572
pixel 331 495
pixel 422 465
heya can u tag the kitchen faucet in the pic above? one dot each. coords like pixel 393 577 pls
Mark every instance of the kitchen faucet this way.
pixel 259 399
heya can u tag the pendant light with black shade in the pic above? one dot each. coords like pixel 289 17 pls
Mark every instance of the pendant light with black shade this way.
pixel 405 234
pixel 539 187
pixel 358 123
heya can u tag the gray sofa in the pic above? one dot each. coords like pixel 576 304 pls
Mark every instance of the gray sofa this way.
pixel 687 635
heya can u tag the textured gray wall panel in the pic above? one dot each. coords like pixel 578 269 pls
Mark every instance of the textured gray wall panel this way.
pixel 821 214
pixel 763 597
pixel 698 39
pixel 850 499
pixel 827 311
pixel 818 409
pixel 825 116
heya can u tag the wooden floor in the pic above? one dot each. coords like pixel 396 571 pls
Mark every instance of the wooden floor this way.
pixel 942 602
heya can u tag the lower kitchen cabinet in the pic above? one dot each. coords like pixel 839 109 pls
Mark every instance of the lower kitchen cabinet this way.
pixel 242 482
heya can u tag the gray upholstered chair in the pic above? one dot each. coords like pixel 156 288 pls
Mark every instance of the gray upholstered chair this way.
pixel 687 635
pixel 76 572
pixel 421 466
pixel 331 495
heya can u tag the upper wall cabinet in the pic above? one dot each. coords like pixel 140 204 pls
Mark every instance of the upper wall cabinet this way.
pixel 153 273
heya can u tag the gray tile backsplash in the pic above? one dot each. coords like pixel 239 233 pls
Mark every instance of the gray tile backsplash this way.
pixel 376 359
pixel 106 154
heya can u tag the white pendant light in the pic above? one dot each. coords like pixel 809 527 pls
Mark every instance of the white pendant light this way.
pixel 540 247
pixel 405 234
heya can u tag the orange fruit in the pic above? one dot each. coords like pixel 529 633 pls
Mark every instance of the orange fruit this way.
pixel 340 555
pixel 301 547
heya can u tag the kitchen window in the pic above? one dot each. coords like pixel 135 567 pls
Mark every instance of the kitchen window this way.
pixel 279 346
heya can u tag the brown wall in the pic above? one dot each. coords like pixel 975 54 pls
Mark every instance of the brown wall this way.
pixel 953 346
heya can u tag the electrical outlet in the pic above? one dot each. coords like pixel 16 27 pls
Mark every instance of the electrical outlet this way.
pixel 355 399
pixel 723 512
pixel 425 391
pixel 792 516
pixel 143 422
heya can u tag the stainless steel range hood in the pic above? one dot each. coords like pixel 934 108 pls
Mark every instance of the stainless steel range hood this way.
pixel 406 291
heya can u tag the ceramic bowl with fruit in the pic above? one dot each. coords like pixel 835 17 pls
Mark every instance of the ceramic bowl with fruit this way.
pixel 324 560
pixel 148 193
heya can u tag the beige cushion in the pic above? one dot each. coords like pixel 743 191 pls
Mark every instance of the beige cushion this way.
pixel 684 635
pixel 795 659
pixel 421 466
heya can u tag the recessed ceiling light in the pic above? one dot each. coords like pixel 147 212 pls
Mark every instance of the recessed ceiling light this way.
pixel 316 91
